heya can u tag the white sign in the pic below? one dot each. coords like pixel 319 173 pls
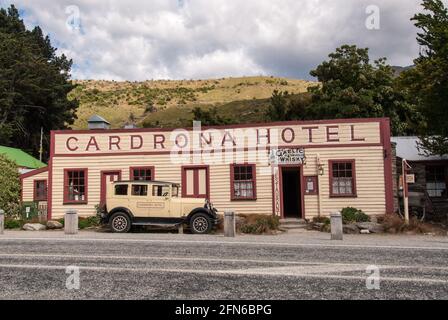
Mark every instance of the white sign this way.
pixel 287 156
pixel 410 178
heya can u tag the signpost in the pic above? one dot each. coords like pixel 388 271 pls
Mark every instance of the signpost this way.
pixel 405 169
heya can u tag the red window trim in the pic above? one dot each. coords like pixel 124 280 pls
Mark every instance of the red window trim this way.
pixel 35 197
pixel 184 181
pixel 131 172
pixel 86 177
pixel 232 179
pixel 330 171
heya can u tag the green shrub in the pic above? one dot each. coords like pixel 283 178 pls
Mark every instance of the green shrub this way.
pixel 350 215
pixel 84 223
pixel 259 224
pixel 10 187
pixel 324 220
pixel 13 224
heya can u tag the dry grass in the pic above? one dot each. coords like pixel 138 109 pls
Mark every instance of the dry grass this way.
pixel 117 100
pixel 393 223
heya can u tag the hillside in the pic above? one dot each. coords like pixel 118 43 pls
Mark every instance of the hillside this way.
pixel 168 103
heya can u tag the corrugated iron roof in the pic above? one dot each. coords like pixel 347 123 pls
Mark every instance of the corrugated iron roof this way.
pixel 407 148
pixel 22 158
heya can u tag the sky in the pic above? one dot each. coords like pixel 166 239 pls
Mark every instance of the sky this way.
pixel 200 39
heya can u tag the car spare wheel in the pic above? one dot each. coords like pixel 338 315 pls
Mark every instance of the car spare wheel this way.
pixel 120 222
pixel 200 223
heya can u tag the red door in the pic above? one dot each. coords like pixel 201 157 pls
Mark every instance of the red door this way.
pixel 195 182
pixel 106 178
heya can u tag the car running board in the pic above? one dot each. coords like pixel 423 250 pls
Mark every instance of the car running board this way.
pixel 159 225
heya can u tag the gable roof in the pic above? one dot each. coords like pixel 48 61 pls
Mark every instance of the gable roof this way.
pixel 407 148
pixel 22 158
pixel 96 118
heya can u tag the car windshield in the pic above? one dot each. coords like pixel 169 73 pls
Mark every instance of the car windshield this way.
pixel 175 191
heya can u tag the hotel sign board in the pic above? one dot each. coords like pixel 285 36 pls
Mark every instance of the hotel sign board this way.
pixel 287 156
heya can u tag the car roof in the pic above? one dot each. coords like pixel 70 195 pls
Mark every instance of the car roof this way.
pixel 146 182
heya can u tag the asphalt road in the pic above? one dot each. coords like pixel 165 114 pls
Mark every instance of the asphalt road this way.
pixel 167 266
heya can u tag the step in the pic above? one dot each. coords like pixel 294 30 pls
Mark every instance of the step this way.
pixel 293 226
pixel 290 221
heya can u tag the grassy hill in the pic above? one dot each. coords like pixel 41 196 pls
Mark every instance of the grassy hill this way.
pixel 168 103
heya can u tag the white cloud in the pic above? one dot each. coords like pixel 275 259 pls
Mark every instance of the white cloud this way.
pixel 137 40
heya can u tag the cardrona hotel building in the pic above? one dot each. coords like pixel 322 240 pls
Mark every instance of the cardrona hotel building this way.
pixel 297 169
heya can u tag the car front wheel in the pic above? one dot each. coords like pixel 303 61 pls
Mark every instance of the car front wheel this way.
pixel 120 222
pixel 200 223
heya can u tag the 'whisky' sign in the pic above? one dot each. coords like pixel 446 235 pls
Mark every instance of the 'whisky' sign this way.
pixel 287 156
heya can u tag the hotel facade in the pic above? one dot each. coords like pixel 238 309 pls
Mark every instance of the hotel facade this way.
pixel 298 169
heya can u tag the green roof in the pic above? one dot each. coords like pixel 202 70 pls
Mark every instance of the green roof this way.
pixel 22 159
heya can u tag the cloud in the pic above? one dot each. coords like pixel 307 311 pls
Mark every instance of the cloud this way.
pixel 183 39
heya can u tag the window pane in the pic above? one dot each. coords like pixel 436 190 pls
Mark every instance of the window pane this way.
pixel 121 190
pixel 139 190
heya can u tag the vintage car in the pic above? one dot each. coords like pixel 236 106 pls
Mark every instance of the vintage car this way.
pixel 155 203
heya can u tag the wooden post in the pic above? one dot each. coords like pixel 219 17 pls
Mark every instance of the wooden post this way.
pixel 2 221
pixel 180 228
pixel 404 167
pixel 229 224
pixel 336 226
pixel 71 222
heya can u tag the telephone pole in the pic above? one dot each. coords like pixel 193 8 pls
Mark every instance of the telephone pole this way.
pixel 41 148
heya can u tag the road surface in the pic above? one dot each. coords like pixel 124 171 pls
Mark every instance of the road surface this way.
pixel 33 265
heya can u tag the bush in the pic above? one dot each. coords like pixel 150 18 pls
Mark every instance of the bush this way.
pixel 324 220
pixel 84 223
pixel 350 215
pixel 393 223
pixel 259 224
pixel 10 187
pixel 13 224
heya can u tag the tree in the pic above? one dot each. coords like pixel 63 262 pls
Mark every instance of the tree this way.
pixel 426 85
pixel 284 106
pixel 352 87
pixel 209 117
pixel 278 107
pixel 34 83
pixel 10 186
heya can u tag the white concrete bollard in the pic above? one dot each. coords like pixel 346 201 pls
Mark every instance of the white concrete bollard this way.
pixel 2 221
pixel 336 226
pixel 71 222
pixel 229 224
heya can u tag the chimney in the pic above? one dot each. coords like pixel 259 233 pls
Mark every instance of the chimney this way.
pixel 96 122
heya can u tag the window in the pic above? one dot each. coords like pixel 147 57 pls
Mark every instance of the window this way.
pixel 139 190
pixel 75 186
pixel 160 191
pixel 195 182
pixel 436 181
pixel 121 190
pixel 243 182
pixel 142 173
pixel 40 190
pixel 342 178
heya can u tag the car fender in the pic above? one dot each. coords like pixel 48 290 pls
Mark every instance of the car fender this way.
pixel 201 210
pixel 120 209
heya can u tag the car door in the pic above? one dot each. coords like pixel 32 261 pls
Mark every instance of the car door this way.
pixel 139 200
pixel 160 201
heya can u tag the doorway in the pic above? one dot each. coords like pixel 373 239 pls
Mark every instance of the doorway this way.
pixel 106 178
pixel 291 186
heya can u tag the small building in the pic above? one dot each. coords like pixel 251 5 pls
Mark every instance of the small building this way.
pixel 297 169
pixel 24 161
pixel 430 172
